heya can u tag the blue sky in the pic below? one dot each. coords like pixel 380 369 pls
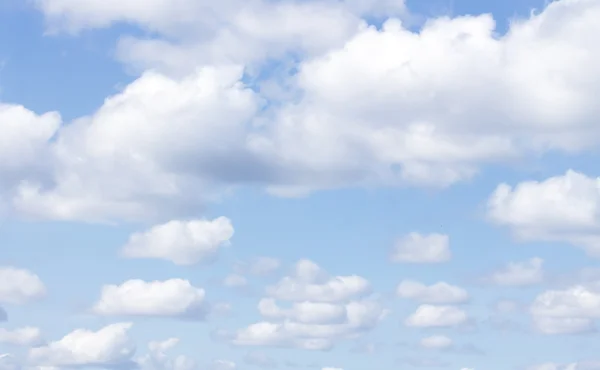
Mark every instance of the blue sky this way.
pixel 317 184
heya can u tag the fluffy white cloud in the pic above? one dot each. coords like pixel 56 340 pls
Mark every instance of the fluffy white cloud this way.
pixel 109 345
pixel 575 301
pixel 26 336
pixel 309 282
pixel 519 273
pixel 19 286
pixel 564 208
pixel 436 342
pixel 438 293
pixel 155 149
pixel 24 136
pixel 418 248
pixel 24 150
pixel 388 86
pixel 429 316
pixel 181 242
pixel 567 311
pixel 171 298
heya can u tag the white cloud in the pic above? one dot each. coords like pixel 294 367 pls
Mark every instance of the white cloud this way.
pixel 170 298
pixel 310 283
pixel 519 273
pixel 24 137
pixel 430 316
pixel 24 150
pixel 418 248
pixel 438 293
pixel 363 105
pixel 563 208
pixel 181 242
pixel 26 336
pixel 575 301
pixel 19 286
pixel 109 345
pixel 567 311
pixel 101 161
pixel 437 342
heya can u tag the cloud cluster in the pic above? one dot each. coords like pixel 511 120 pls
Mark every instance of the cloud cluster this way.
pixel 19 286
pixel 323 310
pixel 247 93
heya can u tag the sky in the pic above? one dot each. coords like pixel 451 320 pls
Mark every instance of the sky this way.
pixel 299 184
